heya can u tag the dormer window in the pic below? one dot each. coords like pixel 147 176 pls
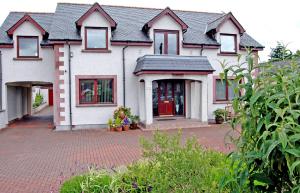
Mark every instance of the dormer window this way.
pixel 228 43
pixel 166 42
pixel 28 47
pixel 96 38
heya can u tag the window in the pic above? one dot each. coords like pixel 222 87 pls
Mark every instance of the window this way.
pixel 223 91
pixel 166 42
pixel 96 38
pixel 228 43
pixel 28 47
pixel 97 91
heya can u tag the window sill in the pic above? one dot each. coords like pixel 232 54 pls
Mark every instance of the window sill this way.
pixel 222 102
pixel 96 105
pixel 28 59
pixel 96 51
pixel 227 54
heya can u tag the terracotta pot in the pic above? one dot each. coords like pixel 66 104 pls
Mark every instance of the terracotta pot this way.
pixel 133 126
pixel 126 127
pixel 219 120
pixel 111 129
pixel 122 115
pixel 118 129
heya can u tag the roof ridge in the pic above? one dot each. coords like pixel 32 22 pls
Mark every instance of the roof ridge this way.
pixel 217 18
pixel 29 12
pixel 137 7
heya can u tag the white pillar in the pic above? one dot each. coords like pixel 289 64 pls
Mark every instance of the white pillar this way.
pixel 141 100
pixel 148 102
pixel 195 100
pixel 204 101
pixel 188 99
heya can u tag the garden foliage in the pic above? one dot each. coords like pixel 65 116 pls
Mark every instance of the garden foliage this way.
pixel 267 109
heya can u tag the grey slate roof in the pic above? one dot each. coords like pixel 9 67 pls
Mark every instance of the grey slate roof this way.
pixel 215 23
pixel 173 63
pixel 43 19
pixel 130 21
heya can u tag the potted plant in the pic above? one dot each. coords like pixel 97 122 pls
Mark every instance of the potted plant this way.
pixel 122 112
pixel 126 123
pixel 118 124
pixel 111 125
pixel 134 122
pixel 220 115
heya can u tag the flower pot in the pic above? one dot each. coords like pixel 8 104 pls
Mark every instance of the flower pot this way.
pixel 118 129
pixel 126 127
pixel 133 126
pixel 111 129
pixel 219 120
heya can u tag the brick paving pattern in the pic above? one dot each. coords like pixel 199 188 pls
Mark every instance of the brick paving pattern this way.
pixel 34 158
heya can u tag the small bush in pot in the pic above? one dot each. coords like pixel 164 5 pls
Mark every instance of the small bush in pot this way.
pixel 118 124
pixel 126 123
pixel 122 112
pixel 220 115
pixel 111 124
pixel 134 122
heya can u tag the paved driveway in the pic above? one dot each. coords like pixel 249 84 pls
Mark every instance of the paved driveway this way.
pixel 37 159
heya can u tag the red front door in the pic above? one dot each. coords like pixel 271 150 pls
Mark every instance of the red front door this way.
pixel 50 97
pixel 165 98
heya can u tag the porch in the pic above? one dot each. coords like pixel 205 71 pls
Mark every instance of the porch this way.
pixel 172 91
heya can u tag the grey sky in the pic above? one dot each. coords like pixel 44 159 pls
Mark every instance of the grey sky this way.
pixel 265 20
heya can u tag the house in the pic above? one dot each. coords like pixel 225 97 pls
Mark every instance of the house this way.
pixel 160 63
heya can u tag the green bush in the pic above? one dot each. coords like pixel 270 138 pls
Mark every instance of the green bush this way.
pixel 268 112
pixel 170 166
pixel 38 100
pixel 72 185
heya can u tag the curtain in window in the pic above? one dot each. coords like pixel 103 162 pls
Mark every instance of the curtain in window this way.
pixel 86 91
pixel 105 91
pixel 220 90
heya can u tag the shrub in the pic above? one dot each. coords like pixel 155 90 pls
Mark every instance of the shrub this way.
pixel 38 100
pixel 72 185
pixel 171 167
pixel 221 113
pixel 127 112
pixel 268 113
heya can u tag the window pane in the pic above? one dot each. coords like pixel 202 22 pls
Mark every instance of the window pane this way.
pixel 96 38
pixel 172 44
pixel 231 90
pixel 28 47
pixel 105 91
pixel 227 43
pixel 86 91
pixel 220 90
pixel 159 43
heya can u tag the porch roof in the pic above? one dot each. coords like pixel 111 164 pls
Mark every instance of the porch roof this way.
pixel 171 63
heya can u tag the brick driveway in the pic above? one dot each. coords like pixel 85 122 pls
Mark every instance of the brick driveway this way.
pixel 37 159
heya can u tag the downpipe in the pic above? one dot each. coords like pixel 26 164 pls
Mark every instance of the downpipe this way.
pixel 124 75
pixel 70 85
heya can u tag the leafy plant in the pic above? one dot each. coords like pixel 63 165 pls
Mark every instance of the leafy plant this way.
pixel 221 113
pixel 126 110
pixel 126 121
pixel 267 115
pixel 135 119
pixel 169 166
pixel 72 185
pixel 110 123
pixel 96 182
pixel 38 100
pixel 118 122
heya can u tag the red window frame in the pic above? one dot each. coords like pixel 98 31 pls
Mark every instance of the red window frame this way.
pixel 235 43
pixel 28 37
pixel 215 79
pixel 166 32
pixel 95 78
pixel 86 38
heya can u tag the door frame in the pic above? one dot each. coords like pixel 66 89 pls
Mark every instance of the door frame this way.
pixel 173 81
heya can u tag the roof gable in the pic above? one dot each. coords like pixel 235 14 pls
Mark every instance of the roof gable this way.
pixel 217 24
pixel 25 18
pixel 170 13
pixel 98 8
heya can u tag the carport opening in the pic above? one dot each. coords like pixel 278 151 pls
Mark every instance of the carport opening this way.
pixel 30 105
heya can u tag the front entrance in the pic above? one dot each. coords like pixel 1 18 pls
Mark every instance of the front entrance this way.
pixel 168 98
